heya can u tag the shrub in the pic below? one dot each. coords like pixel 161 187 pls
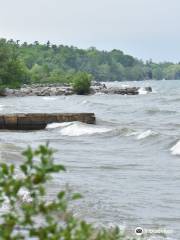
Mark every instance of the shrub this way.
pixel 81 83
pixel 36 217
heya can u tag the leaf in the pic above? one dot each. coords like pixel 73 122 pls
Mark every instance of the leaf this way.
pixel 76 196
pixel 4 168
pixel 61 195
pixel 24 168
pixel 58 168
pixel 12 169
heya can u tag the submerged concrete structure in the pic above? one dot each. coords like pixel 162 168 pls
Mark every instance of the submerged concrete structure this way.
pixel 39 121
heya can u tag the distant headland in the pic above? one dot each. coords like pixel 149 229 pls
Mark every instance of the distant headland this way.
pixel 36 63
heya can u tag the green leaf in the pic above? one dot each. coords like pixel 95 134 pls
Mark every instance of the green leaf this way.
pixel 5 169
pixel 61 195
pixel 24 168
pixel 76 196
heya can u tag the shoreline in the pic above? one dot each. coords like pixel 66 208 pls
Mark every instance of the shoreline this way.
pixel 66 89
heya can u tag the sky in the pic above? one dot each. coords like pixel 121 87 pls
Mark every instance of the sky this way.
pixel 146 29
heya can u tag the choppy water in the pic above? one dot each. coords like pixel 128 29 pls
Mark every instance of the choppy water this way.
pixel 127 166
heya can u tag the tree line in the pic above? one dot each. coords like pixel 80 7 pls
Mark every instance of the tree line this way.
pixel 23 63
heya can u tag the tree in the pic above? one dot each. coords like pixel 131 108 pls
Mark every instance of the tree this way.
pixel 81 83
pixel 172 72
pixel 13 71
pixel 51 59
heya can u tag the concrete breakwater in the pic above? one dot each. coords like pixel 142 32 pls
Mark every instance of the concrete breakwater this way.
pixel 38 121
pixel 65 89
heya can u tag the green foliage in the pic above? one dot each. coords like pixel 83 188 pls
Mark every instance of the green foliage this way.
pixel 47 63
pixel 172 71
pixel 36 217
pixel 81 83
pixel 13 71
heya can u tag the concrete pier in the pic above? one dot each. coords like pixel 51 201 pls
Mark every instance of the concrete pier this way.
pixel 38 121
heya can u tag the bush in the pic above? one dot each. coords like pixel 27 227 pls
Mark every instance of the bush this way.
pixel 36 217
pixel 81 83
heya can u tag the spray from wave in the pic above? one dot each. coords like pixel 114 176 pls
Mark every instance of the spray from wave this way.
pixel 142 91
pixel 58 125
pixel 50 98
pixel 1 107
pixel 78 128
pixel 146 134
pixel 175 150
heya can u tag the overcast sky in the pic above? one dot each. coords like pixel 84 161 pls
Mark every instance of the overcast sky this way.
pixel 143 28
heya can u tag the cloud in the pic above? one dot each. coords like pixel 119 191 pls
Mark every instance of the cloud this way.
pixel 145 28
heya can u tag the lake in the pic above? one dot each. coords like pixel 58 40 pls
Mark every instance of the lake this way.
pixel 127 166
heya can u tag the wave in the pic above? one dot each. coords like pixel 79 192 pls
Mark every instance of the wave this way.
pixel 125 85
pixel 78 128
pixel 89 103
pixel 142 91
pixel 174 100
pixel 50 98
pixel 146 134
pixel 85 102
pixel 157 110
pixel 1 107
pixel 127 132
pixel 140 135
pixel 175 150
pixel 157 237
pixel 58 125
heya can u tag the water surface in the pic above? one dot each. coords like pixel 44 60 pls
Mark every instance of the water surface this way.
pixel 124 165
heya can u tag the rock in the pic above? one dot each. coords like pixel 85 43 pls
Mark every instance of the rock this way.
pixel 3 92
pixel 66 89
pixel 97 87
pixel 148 89
pixel 122 91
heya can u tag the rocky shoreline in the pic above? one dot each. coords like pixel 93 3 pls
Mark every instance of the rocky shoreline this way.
pixel 66 89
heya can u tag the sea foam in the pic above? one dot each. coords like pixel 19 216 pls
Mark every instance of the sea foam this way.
pixel 1 107
pixel 58 125
pixel 49 98
pixel 175 150
pixel 142 91
pixel 146 134
pixel 78 128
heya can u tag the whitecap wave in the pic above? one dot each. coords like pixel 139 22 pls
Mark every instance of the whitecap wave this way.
pixel 99 93
pixel 50 98
pixel 58 125
pixel 129 132
pixel 175 150
pixel 78 128
pixel 146 134
pixel 142 91
pixel 1 107
pixel 125 85
pixel 85 102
